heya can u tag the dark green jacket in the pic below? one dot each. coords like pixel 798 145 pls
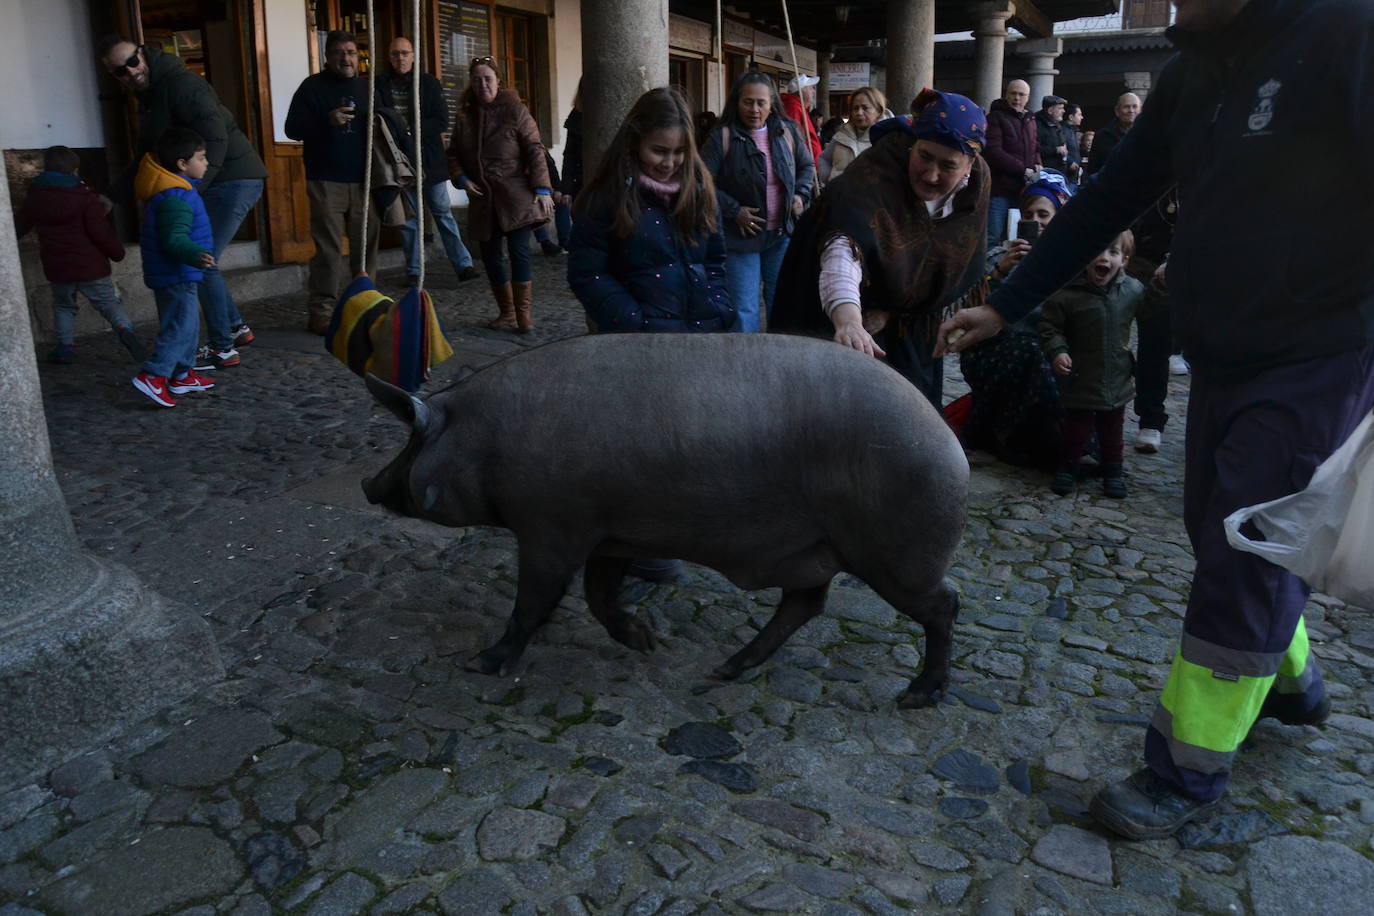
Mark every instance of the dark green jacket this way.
pixel 176 97
pixel 1093 325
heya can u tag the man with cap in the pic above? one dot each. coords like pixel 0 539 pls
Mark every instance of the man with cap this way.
pixel 849 273
pixel 1276 316
pixel 1053 134
pixel 797 103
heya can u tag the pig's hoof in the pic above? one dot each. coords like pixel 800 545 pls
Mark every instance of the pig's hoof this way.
pixel 636 635
pixel 486 663
pixel 728 671
pixel 919 698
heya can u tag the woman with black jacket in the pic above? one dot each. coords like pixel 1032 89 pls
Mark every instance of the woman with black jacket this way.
pixel 764 177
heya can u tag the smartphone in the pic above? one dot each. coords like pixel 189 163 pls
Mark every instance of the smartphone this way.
pixel 1028 229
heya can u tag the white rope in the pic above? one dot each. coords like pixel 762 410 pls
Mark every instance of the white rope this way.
pixel 720 55
pixel 419 152
pixel 371 127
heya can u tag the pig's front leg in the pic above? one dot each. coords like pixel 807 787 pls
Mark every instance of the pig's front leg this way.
pixel 796 608
pixel 543 578
pixel 601 580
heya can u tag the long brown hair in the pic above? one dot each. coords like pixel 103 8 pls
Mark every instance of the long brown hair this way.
pixel 616 184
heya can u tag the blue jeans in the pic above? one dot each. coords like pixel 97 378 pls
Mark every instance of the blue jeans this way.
pixel 518 243
pixel 100 293
pixel 745 270
pixel 178 331
pixel 998 208
pixel 562 222
pixel 438 206
pixel 226 204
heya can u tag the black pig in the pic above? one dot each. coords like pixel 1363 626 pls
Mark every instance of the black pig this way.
pixel 779 461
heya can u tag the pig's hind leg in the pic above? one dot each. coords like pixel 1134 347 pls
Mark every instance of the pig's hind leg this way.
pixel 935 611
pixel 543 578
pixel 798 605
pixel 601 580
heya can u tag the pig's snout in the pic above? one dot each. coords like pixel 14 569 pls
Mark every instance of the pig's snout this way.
pixel 373 489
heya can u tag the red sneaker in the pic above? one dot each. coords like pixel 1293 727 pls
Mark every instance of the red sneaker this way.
pixel 155 387
pixel 191 382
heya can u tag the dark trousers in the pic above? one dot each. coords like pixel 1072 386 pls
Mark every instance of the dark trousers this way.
pixel 1078 427
pixel 518 244
pixel 1154 345
pixel 1248 442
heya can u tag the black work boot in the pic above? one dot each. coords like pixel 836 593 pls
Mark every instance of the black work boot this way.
pixel 1113 482
pixel 1065 480
pixel 1288 709
pixel 1145 807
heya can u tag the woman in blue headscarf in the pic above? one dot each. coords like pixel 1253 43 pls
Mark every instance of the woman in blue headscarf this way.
pixel 1014 400
pixel 896 242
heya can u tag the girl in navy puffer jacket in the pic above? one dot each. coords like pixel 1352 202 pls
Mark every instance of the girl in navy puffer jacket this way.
pixel 647 252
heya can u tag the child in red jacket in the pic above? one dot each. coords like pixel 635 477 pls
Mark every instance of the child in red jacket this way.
pixel 76 245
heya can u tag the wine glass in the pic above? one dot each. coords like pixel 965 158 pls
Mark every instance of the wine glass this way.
pixel 348 102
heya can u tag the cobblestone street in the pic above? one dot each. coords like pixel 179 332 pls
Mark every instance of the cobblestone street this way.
pixel 348 764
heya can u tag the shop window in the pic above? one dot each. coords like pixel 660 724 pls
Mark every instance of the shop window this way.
pixel 515 52
pixel 1145 14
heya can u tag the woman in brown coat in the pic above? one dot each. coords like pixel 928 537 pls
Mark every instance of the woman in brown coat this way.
pixel 496 156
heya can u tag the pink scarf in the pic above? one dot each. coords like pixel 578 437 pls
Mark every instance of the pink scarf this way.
pixel 666 192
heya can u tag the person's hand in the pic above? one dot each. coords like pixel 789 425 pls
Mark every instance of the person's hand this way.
pixel 1016 250
pixel 342 115
pixel 545 204
pixel 1062 150
pixel 850 330
pixel 471 187
pixel 1063 364
pixel 1159 278
pixel 1032 174
pixel 966 328
pixel 207 259
pixel 748 221
pixel 798 205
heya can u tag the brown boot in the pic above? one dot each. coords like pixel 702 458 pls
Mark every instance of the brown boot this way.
pixel 506 320
pixel 524 296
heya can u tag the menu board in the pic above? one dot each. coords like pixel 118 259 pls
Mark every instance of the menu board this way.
pixel 464 33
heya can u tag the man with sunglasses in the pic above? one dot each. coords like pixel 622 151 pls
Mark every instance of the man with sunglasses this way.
pixel 169 95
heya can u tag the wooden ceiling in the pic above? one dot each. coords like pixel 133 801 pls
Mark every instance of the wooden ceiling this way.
pixel 826 22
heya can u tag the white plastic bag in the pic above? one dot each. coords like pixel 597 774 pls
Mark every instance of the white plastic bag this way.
pixel 1325 533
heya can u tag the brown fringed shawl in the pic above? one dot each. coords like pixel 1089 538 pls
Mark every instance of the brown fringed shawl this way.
pixel 920 269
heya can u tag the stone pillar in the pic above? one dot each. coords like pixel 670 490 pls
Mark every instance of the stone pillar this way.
pixel 910 51
pixel 83 648
pixel 823 87
pixel 1039 54
pixel 624 54
pixel 989 40
pixel 1139 83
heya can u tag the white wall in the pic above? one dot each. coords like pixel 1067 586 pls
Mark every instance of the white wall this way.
pixel 47 64
pixel 288 57
pixel 566 26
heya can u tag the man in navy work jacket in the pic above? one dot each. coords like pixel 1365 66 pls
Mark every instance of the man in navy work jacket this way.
pixel 1265 119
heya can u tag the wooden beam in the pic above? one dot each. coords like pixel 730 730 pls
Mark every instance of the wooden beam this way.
pixel 1028 19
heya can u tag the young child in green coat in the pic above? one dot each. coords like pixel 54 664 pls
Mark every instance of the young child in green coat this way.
pixel 1085 331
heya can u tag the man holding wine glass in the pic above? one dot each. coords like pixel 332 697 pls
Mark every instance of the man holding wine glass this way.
pixel 328 114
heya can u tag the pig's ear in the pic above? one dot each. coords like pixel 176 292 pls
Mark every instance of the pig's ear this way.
pixel 409 409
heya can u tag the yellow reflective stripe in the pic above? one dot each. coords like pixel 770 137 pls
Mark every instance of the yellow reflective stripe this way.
pixel 1295 659
pixel 1211 712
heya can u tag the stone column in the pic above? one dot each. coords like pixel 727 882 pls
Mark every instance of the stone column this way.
pixel 1139 83
pixel 989 40
pixel 83 648
pixel 823 87
pixel 624 54
pixel 1039 54
pixel 910 51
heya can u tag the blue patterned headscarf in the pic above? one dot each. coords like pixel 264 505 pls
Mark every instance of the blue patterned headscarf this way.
pixel 946 118
pixel 1050 186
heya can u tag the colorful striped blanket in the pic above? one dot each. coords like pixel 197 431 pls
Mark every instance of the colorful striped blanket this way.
pixel 395 341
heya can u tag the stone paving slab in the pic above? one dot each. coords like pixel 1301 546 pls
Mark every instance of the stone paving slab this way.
pixel 349 763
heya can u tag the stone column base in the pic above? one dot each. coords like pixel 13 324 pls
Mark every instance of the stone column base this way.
pixel 84 661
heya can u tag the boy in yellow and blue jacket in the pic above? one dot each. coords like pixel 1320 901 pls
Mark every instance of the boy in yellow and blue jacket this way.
pixel 177 242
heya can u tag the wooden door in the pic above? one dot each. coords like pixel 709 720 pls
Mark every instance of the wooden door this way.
pixel 284 201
